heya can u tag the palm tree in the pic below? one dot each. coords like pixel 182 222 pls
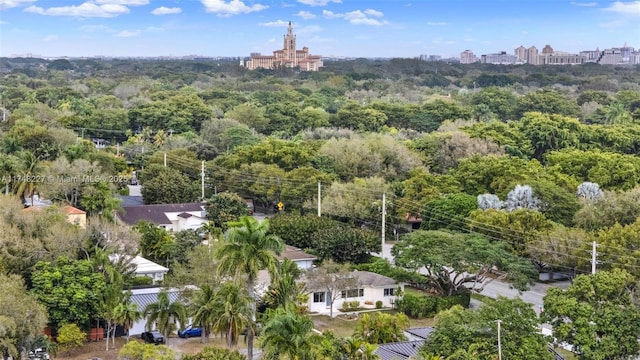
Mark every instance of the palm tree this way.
pixel 616 113
pixel 247 250
pixel 8 167
pixel 357 349
pixel 126 313
pixel 211 231
pixel 165 314
pixel 203 308
pixel 234 313
pixel 284 288
pixel 288 335
pixel 29 166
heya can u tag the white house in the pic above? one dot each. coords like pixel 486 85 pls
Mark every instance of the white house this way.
pixel 172 217
pixel 298 256
pixel 144 297
pixel 144 267
pixel 148 268
pixel 372 288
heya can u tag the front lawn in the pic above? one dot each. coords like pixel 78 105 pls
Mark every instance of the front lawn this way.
pixel 344 328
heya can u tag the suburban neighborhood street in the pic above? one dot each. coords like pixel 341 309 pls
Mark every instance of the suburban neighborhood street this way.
pixel 493 289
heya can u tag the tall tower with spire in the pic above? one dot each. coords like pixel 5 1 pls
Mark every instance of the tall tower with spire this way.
pixel 290 47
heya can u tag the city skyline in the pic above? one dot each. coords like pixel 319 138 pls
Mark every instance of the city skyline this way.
pixel 348 28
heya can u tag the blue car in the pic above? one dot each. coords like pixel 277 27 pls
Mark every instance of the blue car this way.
pixel 190 332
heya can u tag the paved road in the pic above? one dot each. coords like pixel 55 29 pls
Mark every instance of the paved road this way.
pixel 497 288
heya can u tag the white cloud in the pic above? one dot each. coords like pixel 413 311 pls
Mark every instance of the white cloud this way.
pixel 50 38
pixel 331 15
pixel 437 23
pixel 166 11
pixel 2 22
pixel 630 8
pixel 122 2
pixel 233 7
pixel 318 2
pixel 277 23
pixel 86 9
pixel 305 15
pixel 358 17
pixel 374 13
pixel 8 4
pixel 586 4
pixel 128 33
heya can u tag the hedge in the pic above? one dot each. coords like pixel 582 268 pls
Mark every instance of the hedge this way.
pixel 420 306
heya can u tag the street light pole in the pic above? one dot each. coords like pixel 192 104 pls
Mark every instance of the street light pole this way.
pixel 499 340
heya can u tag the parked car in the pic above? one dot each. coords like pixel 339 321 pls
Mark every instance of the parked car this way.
pixel 38 354
pixel 190 332
pixel 152 337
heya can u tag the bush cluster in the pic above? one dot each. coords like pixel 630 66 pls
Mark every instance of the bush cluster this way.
pixel 420 306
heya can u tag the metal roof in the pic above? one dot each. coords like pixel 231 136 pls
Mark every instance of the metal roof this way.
pixel 144 298
pixel 422 332
pixel 399 350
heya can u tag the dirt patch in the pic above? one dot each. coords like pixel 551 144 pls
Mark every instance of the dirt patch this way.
pixel 95 349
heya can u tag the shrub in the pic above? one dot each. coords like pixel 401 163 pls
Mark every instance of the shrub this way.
pixel 142 280
pixel 70 337
pixel 213 353
pixel 419 306
pixel 350 306
pixel 135 350
pixel 378 304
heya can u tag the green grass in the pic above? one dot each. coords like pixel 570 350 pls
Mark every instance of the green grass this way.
pixel 345 328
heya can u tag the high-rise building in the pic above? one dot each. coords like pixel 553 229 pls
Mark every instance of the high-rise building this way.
pixel 547 49
pixel 468 57
pixel 532 55
pixel 288 56
pixel 521 53
pixel 502 58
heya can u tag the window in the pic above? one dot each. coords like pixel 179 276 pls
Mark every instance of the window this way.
pixel 389 292
pixel 351 293
pixel 318 297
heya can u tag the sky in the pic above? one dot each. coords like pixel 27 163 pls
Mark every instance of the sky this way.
pixel 346 28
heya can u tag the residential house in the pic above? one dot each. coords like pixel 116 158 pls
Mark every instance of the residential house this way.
pixel 298 256
pixel 372 288
pixel 148 268
pixel 76 216
pixel 144 297
pixel 172 217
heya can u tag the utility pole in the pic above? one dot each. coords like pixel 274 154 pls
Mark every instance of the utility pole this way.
pixel 201 179
pixel 594 255
pixel 499 340
pixel 384 220
pixel 319 199
pixel 165 159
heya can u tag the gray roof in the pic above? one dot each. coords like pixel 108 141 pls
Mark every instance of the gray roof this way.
pixel 149 298
pixel 373 280
pixel 422 332
pixel 399 350
pixel 295 254
pixel 155 213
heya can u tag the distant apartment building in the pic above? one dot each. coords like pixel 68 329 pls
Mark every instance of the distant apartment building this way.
pixel 613 56
pixel 288 57
pixel 468 57
pixel 560 58
pixel 532 55
pixel 521 53
pixel 501 58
